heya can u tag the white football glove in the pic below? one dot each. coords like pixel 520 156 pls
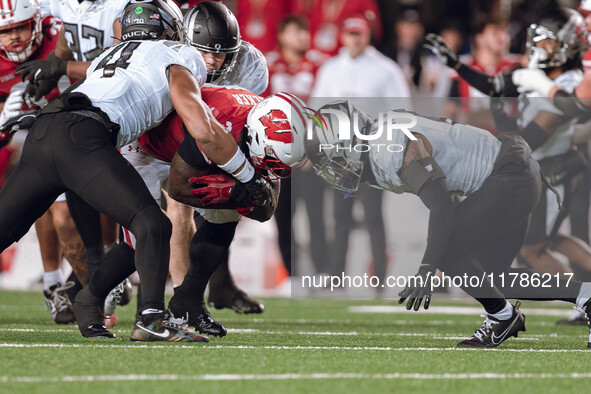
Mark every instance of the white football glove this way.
pixel 12 106
pixel 532 80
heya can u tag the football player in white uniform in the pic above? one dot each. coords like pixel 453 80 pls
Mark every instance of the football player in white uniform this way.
pixel 88 27
pixel 554 47
pixel 128 90
pixel 435 158
pixel 25 36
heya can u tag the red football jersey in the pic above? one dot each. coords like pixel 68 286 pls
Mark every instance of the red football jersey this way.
pixel 296 78
pixel 8 78
pixel 230 106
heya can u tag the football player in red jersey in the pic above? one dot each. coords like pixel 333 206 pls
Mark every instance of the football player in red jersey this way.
pixel 215 32
pixel 272 154
pixel 25 36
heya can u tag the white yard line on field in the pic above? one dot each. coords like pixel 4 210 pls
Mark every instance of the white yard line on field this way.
pixel 94 345
pixel 289 376
pixel 454 310
pixel 307 333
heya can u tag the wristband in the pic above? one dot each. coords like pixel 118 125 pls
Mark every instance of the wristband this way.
pixel 246 174
pixel 234 163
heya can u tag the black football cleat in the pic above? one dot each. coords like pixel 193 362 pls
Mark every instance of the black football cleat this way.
pixel 88 310
pixel 235 299
pixel 164 328
pixel 494 332
pixel 204 323
pixel 197 316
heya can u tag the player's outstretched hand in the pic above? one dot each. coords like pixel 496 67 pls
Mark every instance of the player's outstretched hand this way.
pixel 437 46
pixel 422 290
pixel 36 70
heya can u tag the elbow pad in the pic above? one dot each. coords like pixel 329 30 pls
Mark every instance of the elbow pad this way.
pixel 570 104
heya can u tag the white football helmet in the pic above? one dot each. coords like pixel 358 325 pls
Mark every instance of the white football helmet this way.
pixel 332 151
pixel 584 8
pixel 569 33
pixel 275 135
pixel 17 13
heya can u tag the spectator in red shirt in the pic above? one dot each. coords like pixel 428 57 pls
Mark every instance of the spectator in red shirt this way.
pixel 293 67
pixel 327 16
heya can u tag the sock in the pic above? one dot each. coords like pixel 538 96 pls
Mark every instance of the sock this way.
pixel 207 249
pixel 150 314
pixel 505 313
pixel 115 266
pixel 93 261
pixel 52 278
pixel 584 294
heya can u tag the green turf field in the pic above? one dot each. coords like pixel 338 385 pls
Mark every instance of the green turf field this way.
pixel 296 345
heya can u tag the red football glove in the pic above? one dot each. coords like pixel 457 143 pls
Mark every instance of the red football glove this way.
pixel 213 189
pixel 217 189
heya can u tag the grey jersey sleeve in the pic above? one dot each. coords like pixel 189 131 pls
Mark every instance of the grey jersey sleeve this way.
pixel 250 71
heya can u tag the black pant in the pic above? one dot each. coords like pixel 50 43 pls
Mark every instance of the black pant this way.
pixel 67 151
pixel 310 187
pixel 489 229
pixel 343 210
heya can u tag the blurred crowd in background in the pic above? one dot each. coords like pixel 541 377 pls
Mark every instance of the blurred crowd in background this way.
pixel 370 48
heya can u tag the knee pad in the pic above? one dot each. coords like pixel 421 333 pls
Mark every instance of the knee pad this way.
pixel 151 221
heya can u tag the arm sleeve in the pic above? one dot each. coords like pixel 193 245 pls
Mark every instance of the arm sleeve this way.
pixel 436 197
pixel 486 83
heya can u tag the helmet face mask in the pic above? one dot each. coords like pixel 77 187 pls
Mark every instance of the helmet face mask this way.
pixel 340 173
pixel 212 27
pixel 23 15
pixel 336 160
pixel 552 42
pixel 227 66
pixel 270 166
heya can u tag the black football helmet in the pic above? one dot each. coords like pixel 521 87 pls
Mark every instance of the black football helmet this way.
pixel 211 27
pixel 152 20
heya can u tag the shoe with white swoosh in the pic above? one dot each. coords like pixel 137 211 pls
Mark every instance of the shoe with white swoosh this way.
pixel 494 332
pixel 165 328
